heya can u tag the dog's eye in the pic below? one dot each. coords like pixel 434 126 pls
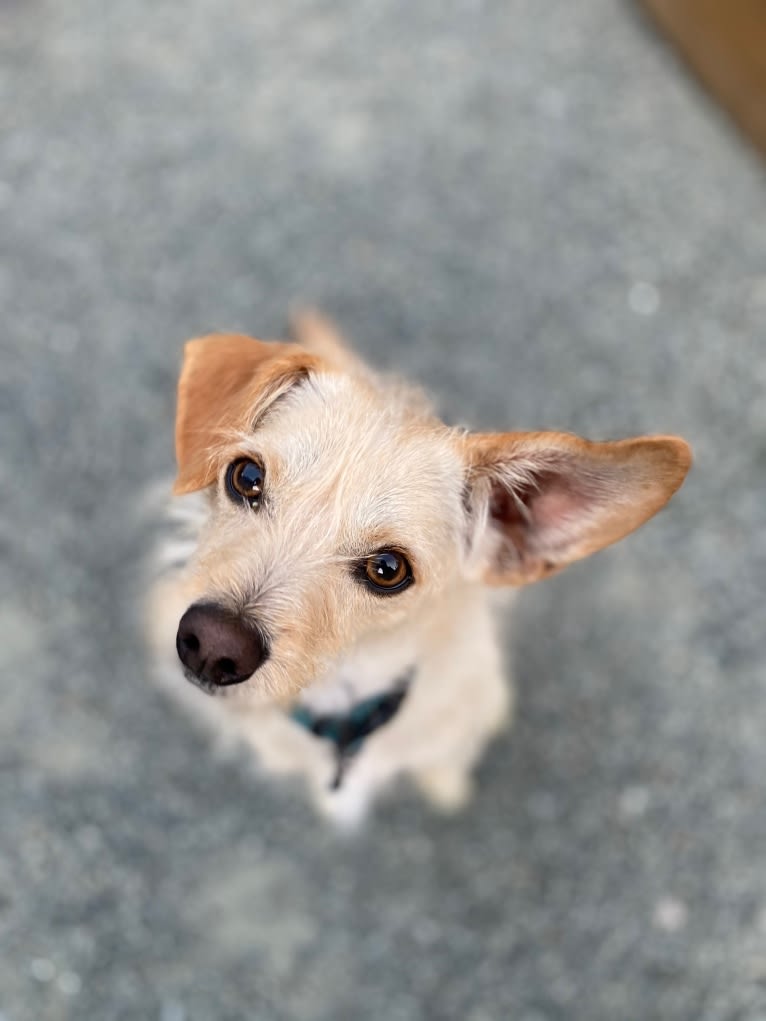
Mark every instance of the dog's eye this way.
pixel 244 481
pixel 387 571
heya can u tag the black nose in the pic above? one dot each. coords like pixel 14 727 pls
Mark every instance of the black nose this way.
pixel 217 647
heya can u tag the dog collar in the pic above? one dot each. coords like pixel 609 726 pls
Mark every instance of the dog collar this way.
pixel 348 731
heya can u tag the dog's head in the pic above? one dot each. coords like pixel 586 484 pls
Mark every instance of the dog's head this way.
pixel 341 507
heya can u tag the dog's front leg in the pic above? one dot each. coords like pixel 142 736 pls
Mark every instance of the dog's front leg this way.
pixel 437 738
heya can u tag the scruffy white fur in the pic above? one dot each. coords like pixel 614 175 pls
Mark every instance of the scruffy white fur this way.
pixel 355 463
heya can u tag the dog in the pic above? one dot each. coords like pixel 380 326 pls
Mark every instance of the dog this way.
pixel 330 594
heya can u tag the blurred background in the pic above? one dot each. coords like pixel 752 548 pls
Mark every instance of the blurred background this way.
pixel 535 211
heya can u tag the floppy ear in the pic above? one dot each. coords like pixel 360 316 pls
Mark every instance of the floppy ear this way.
pixel 227 381
pixel 540 501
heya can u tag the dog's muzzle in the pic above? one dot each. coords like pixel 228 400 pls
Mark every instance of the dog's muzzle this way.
pixel 218 648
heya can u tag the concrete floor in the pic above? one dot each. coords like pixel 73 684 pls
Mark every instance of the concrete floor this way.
pixel 537 214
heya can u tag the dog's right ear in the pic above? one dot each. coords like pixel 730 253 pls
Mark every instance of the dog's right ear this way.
pixel 227 382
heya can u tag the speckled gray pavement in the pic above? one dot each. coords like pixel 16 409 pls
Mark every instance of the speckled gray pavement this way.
pixel 531 209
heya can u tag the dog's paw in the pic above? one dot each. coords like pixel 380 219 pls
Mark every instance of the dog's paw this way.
pixel 448 789
pixel 347 808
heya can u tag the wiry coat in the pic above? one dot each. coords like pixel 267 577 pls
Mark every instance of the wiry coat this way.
pixel 355 463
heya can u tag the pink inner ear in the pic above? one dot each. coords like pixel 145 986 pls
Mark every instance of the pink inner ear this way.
pixel 555 498
pixel 547 512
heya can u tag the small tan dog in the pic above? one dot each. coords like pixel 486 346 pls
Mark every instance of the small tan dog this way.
pixel 342 552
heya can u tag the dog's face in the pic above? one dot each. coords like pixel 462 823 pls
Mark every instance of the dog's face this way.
pixel 355 524
pixel 341 507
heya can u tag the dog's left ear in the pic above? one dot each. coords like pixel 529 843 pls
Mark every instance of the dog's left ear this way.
pixel 539 501
pixel 227 382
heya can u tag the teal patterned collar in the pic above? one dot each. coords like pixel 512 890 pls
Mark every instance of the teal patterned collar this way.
pixel 348 731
